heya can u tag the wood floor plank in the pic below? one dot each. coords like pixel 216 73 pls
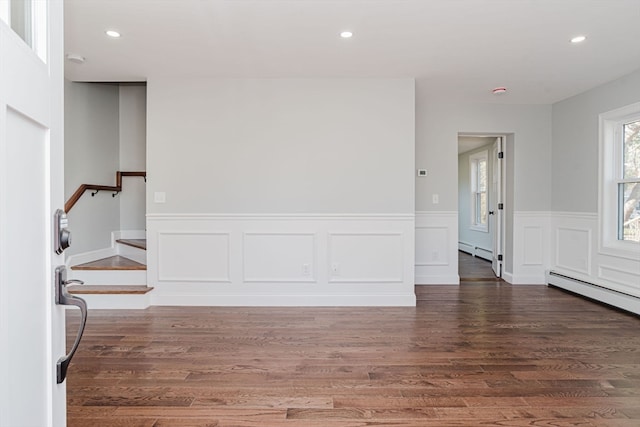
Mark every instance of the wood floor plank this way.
pixel 483 353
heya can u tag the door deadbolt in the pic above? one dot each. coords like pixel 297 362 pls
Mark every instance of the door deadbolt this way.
pixel 61 234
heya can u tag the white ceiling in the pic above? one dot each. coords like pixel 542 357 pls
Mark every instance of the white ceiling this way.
pixel 468 143
pixel 456 49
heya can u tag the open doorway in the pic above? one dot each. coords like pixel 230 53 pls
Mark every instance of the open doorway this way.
pixel 480 206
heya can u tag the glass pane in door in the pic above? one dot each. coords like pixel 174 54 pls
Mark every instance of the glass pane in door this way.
pixel 21 19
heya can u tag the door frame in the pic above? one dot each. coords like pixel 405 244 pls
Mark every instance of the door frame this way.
pixel 501 217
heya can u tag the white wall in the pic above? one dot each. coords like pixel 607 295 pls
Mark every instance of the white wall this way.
pixel 274 146
pixel 528 151
pixel 133 151
pixel 91 157
pixel 281 191
pixel 575 142
pixel 575 222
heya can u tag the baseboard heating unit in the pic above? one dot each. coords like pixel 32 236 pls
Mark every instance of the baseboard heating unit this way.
pixel 600 293
pixel 475 251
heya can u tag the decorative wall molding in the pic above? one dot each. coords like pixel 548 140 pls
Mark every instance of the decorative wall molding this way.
pixel 575 215
pixel 533 245
pixel 281 259
pixel 271 257
pixel 575 254
pixel 282 217
pixel 432 243
pixel 436 250
pixel 621 276
pixel 530 256
pixel 207 261
pixel 573 249
pixel 374 257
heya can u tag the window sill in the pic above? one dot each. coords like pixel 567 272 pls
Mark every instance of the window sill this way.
pixel 628 250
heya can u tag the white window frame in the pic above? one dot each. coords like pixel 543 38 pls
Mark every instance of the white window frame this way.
pixel 474 160
pixel 610 175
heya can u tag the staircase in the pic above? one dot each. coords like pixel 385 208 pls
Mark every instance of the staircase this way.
pixel 115 277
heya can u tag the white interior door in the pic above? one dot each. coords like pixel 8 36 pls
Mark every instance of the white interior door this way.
pixel 31 187
pixel 496 202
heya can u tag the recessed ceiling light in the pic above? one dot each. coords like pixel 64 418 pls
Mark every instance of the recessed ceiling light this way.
pixel 578 39
pixel 346 34
pixel 112 33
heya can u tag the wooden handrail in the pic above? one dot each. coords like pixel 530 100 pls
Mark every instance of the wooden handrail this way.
pixel 84 187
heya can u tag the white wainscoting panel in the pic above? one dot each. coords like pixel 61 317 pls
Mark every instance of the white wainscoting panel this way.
pixel 366 257
pixel 281 259
pixel 530 248
pixel 576 255
pixel 193 256
pixel 621 276
pixel 533 245
pixel 573 249
pixel 436 248
pixel 432 243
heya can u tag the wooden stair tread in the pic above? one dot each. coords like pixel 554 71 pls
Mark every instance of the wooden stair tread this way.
pixel 136 243
pixel 116 262
pixel 109 289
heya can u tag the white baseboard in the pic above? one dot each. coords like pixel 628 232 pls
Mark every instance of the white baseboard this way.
pixel 270 300
pixel 438 280
pixel 466 248
pixel 525 280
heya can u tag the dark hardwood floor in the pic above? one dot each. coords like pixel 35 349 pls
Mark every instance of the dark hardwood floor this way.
pixel 472 268
pixel 481 354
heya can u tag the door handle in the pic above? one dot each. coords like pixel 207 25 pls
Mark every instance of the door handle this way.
pixel 64 298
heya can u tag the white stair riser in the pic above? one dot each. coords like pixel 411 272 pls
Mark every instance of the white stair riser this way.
pixel 125 301
pixel 109 277
pixel 136 254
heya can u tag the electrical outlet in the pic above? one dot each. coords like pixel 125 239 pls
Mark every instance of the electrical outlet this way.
pixel 335 269
pixel 306 269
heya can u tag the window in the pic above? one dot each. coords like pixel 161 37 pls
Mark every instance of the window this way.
pixel 479 196
pixel 629 183
pixel 620 181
